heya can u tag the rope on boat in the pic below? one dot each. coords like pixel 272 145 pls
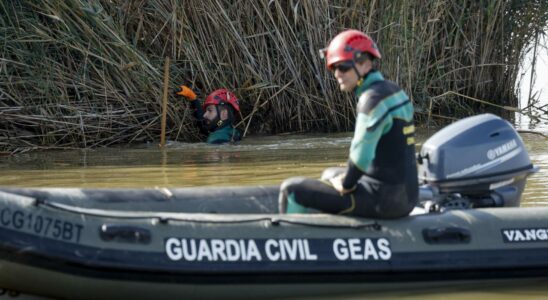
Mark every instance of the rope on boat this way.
pixel 165 218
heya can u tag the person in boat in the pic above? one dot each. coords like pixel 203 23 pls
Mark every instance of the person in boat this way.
pixel 216 116
pixel 380 180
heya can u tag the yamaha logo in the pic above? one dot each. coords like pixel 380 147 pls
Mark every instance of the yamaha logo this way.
pixel 501 150
pixel 491 154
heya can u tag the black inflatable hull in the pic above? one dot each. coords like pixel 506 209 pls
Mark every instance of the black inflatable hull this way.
pixel 71 243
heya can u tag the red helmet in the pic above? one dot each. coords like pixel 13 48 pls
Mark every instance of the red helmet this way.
pixel 349 45
pixel 222 95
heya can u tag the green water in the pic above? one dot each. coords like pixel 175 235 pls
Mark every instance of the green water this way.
pixel 256 161
pixel 259 160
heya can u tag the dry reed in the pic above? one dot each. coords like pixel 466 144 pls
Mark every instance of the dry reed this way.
pixel 77 73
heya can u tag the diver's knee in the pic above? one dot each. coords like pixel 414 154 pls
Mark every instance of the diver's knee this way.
pixel 332 172
pixel 291 185
pixel 287 190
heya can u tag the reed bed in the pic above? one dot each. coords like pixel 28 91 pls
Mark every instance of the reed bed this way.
pixel 83 74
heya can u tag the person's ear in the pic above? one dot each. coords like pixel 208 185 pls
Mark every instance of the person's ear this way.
pixel 364 66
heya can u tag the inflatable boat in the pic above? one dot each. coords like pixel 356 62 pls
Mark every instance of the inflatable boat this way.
pixel 231 242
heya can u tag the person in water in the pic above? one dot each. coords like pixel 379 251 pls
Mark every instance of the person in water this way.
pixel 381 179
pixel 217 122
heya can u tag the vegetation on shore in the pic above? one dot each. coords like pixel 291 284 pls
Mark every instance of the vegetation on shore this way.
pixel 77 73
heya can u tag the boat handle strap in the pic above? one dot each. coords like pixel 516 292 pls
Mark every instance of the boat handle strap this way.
pixel 124 234
pixel 446 235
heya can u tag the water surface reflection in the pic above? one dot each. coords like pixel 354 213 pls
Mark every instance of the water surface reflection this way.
pixel 259 160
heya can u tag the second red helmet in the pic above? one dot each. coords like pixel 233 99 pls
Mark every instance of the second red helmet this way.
pixel 348 45
pixel 222 95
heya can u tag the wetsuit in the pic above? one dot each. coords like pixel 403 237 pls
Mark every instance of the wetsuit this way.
pixel 381 165
pixel 222 135
pixel 226 133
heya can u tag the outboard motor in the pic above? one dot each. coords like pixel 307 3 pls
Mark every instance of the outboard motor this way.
pixel 478 161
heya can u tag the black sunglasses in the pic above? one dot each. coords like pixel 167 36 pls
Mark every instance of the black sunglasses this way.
pixel 343 67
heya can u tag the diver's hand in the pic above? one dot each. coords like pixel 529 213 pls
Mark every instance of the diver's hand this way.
pixel 337 183
pixel 186 92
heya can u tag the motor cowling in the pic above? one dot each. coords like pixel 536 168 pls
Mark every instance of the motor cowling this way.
pixel 479 161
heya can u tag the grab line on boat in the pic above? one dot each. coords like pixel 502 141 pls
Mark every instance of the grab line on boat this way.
pixel 164 218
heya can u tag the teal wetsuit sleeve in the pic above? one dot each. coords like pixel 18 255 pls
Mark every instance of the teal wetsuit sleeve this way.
pixel 366 139
pixel 369 130
pixel 377 107
pixel 371 126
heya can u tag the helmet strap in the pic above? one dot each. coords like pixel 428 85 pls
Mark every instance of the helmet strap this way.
pixel 361 57
pixel 218 122
pixel 362 78
pixel 215 123
pixel 356 70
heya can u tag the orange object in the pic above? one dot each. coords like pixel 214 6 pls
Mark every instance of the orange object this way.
pixel 187 93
